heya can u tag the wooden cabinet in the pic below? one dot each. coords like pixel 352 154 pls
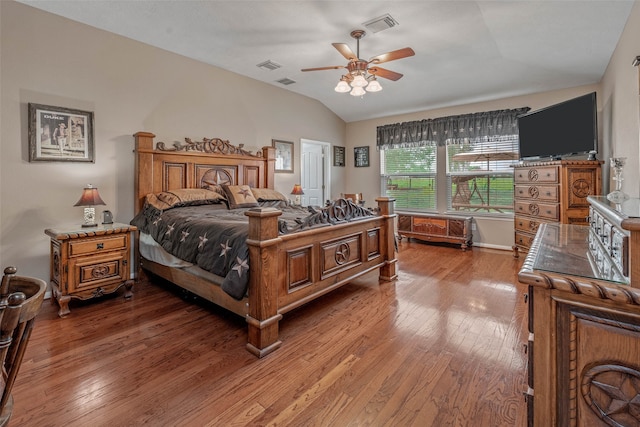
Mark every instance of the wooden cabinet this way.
pixel 89 262
pixel 584 320
pixel 555 191
pixel 436 228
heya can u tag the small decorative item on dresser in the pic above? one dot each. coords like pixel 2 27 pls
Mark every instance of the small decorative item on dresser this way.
pixel 617 195
pixel 90 198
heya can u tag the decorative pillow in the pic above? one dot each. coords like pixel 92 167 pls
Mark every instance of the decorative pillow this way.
pixel 214 187
pixel 267 194
pixel 239 196
pixel 183 197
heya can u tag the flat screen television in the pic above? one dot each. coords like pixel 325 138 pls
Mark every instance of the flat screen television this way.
pixel 561 130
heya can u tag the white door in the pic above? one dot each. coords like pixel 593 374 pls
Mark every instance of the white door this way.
pixel 314 172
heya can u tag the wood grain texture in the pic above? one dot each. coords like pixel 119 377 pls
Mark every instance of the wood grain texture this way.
pixel 443 345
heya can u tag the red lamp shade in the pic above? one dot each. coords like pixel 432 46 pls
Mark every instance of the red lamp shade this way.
pixel 297 190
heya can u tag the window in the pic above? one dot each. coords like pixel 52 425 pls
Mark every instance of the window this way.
pixel 480 176
pixel 466 159
pixel 409 175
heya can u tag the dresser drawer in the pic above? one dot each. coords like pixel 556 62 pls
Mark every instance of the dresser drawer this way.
pixel 91 272
pixel 527 225
pixel 543 210
pixel 536 174
pixel 97 245
pixel 524 239
pixel 548 193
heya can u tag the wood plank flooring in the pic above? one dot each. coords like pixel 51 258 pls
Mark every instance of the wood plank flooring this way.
pixel 442 346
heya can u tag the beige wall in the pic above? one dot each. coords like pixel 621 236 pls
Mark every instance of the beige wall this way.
pixel 621 105
pixel 130 87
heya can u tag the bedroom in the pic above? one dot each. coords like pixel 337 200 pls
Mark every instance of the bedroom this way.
pixel 111 75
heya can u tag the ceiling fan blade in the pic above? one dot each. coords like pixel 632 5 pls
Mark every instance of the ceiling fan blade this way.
pixel 392 56
pixel 384 73
pixel 333 67
pixel 345 50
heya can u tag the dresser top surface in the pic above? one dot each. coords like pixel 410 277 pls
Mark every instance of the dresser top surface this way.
pixel 563 249
pixel 630 208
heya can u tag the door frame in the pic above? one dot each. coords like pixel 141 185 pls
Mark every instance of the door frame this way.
pixel 326 154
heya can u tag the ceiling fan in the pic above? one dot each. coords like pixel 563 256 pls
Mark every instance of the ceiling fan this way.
pixel 362 74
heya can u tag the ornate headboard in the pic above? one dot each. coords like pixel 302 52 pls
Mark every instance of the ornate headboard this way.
pixel 197 164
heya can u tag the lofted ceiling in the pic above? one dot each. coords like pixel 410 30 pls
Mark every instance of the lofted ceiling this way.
pixel 465 51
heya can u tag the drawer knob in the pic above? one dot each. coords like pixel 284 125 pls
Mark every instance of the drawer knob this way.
pixel 100 246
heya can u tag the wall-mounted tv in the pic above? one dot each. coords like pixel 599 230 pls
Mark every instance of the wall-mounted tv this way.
pixel 561 130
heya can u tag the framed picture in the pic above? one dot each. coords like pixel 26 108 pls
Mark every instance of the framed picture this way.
pixel 338 156
pixel 284 155
pixel 361 156
pixel 58 134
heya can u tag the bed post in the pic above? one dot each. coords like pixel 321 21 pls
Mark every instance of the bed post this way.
pixel 269 154
pixel 264 278
pixel 144 160
pixel 386 210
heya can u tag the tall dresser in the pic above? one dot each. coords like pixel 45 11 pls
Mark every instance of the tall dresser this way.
pixel 552 192
pixel 584 319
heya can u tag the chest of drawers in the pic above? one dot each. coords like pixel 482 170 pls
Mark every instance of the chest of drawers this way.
pixel 552 192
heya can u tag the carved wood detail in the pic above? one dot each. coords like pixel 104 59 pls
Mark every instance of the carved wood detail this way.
pixel 207 145
pixel 613 393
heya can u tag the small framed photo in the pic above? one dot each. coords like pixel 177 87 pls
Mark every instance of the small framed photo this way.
pixel 338 155
pixel 361 156
pixel 58 134
pixel 284 155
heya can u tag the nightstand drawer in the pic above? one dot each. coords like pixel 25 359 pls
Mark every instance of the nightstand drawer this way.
pixel 95 246
pixel 89 272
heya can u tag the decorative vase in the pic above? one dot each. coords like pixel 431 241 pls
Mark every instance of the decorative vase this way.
pixel 617 196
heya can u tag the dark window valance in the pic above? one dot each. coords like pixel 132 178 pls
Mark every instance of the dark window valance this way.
pixel 452 128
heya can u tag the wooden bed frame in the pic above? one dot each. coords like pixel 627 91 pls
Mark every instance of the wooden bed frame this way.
pixel 286 270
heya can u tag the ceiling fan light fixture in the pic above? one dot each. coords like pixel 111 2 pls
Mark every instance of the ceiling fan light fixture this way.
pixel 357 91
pixel 342 86
pixel 374 86
pixel 359 81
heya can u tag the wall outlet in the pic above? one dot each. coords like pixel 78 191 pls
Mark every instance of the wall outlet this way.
pixel 473 226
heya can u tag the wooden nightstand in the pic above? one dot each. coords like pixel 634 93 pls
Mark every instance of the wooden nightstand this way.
pixel 89 262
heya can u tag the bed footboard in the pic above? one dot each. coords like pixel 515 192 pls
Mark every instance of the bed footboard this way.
pixel 289 270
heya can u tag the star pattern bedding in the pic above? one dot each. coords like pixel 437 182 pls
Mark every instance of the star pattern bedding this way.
pixel 211 236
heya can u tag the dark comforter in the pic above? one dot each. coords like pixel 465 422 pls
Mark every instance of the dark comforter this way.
pixel 210 236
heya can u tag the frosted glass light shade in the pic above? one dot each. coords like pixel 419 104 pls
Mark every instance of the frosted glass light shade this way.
pixel 357 91
pixel 374 86
pixel 359 81
pixel 342 87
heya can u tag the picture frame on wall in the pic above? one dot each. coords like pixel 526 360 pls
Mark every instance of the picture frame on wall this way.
pixel 59 134
pixel 284 155
pixel 361 156
pixel 338 155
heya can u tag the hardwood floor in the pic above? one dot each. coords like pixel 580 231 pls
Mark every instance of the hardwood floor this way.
pixel 442 346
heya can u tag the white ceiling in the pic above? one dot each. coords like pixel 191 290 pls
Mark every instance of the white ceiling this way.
pixel 466 51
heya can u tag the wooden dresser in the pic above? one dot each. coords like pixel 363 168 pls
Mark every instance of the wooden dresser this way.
pixel 554 191
pixel 584 319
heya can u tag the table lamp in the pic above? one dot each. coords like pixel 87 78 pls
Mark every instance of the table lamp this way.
pixel 90 198
pixel 297 191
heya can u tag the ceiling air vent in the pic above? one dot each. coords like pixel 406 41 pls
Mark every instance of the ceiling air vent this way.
pixel 269 65
pixel 286 81
pixel 383 22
